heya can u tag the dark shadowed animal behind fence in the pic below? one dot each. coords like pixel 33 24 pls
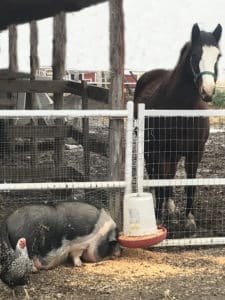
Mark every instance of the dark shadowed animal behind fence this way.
pixel 188 86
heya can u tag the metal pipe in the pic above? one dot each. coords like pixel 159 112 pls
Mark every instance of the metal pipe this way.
pixel 5 114
pixel 191 242
pixel 129 144
pixel 184 113
pixel 140 150
pixel 61 185
pixel 183 182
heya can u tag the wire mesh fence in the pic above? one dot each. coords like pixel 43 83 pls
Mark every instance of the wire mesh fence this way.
pixel 177 145
pixel 44 161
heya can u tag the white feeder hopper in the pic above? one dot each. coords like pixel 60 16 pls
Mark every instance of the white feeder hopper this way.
pixel 139 222
pixel 139 215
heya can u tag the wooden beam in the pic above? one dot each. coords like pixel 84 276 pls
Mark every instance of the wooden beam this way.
pixel 116 101
pixel 85 124
pixel 53 86
pixel 39 132
pixel 34 60
pixel 34 63
pixel 41 173
pixel 116 97
pixel 7 74
pixel 98 93
pixel 13 65
pixel 37 86
pixel 95 143
pixel 58 67
pixel 22 11
pixel 31 99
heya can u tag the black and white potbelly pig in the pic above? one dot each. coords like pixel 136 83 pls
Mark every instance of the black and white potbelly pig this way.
pixel 69 229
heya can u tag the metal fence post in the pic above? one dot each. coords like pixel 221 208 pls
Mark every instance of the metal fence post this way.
pixel 140 147
pixel 129 147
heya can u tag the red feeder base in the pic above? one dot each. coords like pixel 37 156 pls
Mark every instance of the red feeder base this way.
pixel 143 241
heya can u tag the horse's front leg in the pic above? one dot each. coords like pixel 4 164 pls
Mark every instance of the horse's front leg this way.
pixel 191 166
pixel 163 195
pixel 170 171
pixel 166 170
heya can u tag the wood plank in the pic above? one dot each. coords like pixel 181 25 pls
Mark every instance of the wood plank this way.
pixel 98 93
pixel 7 74
pixel 7 103
pixel 38 86
pixel 96 144
pixel 22 11
pixel 53 86
pixel 43 173
pixel 37 131
pixel 47 145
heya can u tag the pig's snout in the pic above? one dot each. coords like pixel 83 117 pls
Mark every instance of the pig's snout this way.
pixel 116 252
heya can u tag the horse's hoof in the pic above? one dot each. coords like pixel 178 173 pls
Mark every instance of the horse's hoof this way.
pixel 190 225
pixel 170 207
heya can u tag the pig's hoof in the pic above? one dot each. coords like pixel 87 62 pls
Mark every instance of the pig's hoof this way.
pixel 34 269
pixel 77 262
pixel 36 265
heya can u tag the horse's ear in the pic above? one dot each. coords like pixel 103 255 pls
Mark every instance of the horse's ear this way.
pixel 195 34
pixel 217 32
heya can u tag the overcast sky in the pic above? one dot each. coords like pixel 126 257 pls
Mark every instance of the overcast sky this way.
pixel 155 31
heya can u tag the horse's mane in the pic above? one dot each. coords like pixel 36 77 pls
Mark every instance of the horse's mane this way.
pixel 176 73
pixel 168 75
pixel 184 53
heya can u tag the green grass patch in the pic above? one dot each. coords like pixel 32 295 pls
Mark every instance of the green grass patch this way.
pixel 219 99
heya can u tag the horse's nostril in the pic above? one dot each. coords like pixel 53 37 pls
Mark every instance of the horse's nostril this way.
pixel 206 97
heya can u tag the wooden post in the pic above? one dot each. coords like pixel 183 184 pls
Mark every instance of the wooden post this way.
pixel 34 62
pixel 116 99
pixel 31 102
pixel 58 65
pixel 13 65
pixel 85 133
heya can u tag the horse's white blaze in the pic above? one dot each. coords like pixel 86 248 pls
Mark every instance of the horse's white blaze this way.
pixel 207 63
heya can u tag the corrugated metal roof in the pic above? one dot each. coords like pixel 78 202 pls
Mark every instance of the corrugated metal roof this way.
pixel 22 11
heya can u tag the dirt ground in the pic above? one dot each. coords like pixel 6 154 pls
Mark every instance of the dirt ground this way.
pixel 137 274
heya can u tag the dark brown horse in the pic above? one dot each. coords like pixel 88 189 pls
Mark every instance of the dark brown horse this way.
pixel 188 86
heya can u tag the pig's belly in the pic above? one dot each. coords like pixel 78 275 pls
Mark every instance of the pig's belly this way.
pixel 74 248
